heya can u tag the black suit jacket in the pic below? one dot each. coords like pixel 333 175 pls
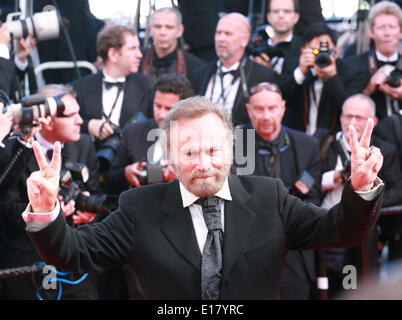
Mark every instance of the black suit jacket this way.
pixel 133 148
pixel 254 73
pixel 335 90
pixel 18 249
pixel 302 154
pixel 154 233
pixel 6 75
pixel 138 96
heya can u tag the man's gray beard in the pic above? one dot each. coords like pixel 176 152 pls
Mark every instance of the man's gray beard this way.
pixel 203 188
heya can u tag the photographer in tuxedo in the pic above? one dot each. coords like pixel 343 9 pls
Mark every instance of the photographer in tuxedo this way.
pixel 230 244
pixel 378 64
pixel 18 250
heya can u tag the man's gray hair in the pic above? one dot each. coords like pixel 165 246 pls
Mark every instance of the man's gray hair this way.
pixel 165 11
pixel 193 108
pixel 384 7
pixel 361 96
pixel 51 90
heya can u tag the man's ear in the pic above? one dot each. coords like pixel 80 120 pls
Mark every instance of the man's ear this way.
pixel 248 107
pixel 112 54
pixel 375 121
pixel 181 30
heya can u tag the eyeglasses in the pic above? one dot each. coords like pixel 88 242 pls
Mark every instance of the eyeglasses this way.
pixel 265 86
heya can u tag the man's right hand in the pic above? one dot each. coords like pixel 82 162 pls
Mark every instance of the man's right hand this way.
pixel 100 128
pixel 377 79
pixel 132 171
pixel 4 34
pixel 306 60
pixel 43 185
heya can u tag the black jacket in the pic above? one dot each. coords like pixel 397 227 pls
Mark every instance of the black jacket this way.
pixel 154 234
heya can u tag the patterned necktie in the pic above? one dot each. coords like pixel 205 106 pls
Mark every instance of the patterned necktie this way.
pixel 211 265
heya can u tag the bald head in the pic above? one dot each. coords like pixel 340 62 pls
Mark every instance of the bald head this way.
pixel 231 38
pixel 240 20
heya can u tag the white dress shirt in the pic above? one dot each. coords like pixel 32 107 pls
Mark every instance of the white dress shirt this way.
pixel 214 89
pixel 200 228
pixel 109 96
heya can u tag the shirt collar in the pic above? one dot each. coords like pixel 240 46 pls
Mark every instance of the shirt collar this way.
pixel 45 145
pixel 189 198
pixel 108 78
pixel 234 67
pixel 381 57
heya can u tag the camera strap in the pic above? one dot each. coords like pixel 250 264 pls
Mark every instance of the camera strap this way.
pixel 120 89
pixel 342 151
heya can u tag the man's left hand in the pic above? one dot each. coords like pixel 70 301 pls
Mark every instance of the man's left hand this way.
pixel 366 161
pixel 25 48
pixel 394 93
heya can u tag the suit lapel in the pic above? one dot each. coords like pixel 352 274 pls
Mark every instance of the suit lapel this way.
pixel 178 226
pixel 238 222
pixel 95 97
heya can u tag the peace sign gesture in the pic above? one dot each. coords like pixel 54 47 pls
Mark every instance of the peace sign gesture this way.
pixel 366 161
pixel 43 185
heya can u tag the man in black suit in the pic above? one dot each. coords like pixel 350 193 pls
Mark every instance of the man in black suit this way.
pixel 161 232
pixel 282 16
pixel 293 157
pixel 132 154
pixel 18 249
pixel 316 91
pixel 118 94
pixel 385 29
pixel 336 170
pixel 228 80
pixel 166 54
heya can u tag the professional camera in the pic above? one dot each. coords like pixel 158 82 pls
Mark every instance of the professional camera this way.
pixel 151 173
pixel 107 148
pixel 323 55
pixel 394 74
pixel 34 107
pixel 259 43
pixel 42 25
pixel 72 179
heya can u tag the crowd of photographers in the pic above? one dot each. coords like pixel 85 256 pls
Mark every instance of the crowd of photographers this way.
pixel 296 92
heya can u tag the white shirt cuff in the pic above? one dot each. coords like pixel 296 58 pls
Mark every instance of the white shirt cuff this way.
pixel 370 195
pixel 4 52
pixel 38 221
pixel 20 65
pixel 299 76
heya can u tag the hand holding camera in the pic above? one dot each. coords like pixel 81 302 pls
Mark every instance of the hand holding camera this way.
pixel 100 128
pixel 132 172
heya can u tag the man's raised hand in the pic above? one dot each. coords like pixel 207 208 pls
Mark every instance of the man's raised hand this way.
pixel 366 161
pixel 43 185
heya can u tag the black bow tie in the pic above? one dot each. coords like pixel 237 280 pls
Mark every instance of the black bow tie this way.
pixel 234 73
pixel 119 85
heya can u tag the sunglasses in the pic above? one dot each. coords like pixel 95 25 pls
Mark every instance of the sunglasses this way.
pixel 265 86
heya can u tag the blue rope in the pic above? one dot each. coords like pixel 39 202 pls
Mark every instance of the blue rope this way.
pixel 60 281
